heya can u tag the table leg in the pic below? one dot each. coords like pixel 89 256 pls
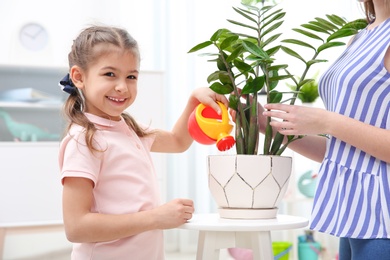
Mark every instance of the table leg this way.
pixel 207 248
pixel 2 240
pixel 261 245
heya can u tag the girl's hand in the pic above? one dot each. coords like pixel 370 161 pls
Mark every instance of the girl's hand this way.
pixel 209 98
pixel 174 213
pixel 297 120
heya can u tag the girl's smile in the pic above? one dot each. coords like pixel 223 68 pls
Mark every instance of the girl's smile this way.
pixel 110 84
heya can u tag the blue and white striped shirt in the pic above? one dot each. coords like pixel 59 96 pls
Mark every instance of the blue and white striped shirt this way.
pixel 353 194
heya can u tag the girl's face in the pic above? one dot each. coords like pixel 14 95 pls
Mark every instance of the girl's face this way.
pixel 110 84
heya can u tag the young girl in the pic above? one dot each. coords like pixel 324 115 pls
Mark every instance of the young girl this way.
pixel 111 206
pixel 353 195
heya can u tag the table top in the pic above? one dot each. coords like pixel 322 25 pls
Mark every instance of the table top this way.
pixel 212 222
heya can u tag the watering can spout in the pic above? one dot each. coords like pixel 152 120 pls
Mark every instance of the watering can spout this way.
pixel 207 127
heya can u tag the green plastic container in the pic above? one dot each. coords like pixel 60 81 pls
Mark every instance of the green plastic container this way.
pixel 281 250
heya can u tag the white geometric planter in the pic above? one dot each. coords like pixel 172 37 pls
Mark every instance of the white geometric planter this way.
pixel 248 186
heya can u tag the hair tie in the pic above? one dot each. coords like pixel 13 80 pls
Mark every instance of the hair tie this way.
pixel 67 85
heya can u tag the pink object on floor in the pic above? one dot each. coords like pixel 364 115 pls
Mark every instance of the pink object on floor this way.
pixel 241 253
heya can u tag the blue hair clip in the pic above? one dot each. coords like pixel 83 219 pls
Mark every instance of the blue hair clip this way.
pixel 67 85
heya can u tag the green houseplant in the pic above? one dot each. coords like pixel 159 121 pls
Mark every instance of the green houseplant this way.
pixel 248 65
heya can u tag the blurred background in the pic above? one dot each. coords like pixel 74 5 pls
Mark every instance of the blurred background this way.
pixel 165 31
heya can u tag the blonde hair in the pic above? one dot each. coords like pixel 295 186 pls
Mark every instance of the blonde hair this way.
pixel 83 54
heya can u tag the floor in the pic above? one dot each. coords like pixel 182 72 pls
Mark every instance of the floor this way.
pixel 169 256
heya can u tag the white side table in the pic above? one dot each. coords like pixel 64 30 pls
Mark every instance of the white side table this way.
pixel 216 233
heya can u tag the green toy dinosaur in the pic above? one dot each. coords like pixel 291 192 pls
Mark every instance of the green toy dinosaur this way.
pixel 24 131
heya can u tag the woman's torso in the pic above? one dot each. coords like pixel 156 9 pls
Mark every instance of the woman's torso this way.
pixel 353 195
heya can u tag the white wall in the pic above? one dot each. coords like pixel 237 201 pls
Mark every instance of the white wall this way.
pixel 64 19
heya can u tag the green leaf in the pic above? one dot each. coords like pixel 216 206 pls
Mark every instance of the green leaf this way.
pixel 242 24
pixel 277 15
pixel 218 34
pixel 309 92
pixel 271 39
pixel 272 78
pixel 221 89
pixel 209 54
pixel 336 19
pixel 235 54
pixel 326 24
pixel 329 45
pixel 214 76
pixel 251 8
pixel 228 42
pixel 281 77
pixel 308 34
pixel 242 66
pixel 305 81
pixel 314 26
pixel 278 141
pixel 345 32
pixel 292 53
pixel 278 67
pixel 254 49
pixel 275 97
pixel 225 79
pixel 200 46
pixel 245 15
pixel 298 42
pixel 358 24
pixel 311 62
pixel 220 63
pixel 271 29
pixel 253 86
pixel 272 51
pixel 233 102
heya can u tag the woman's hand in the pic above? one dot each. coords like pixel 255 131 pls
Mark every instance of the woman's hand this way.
pixel 297 120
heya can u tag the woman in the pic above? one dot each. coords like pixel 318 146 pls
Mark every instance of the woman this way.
pixel 352 200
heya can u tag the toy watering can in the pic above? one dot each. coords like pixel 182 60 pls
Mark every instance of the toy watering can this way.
pixel 207 127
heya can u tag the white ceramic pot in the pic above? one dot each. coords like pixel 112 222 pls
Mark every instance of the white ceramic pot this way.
pixel 248 186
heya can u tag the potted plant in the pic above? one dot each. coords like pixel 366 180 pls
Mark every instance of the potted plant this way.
pixel 247 66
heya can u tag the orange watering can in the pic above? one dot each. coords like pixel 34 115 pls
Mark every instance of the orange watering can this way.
pixel 207 127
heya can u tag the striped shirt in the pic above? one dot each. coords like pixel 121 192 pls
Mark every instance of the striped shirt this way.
pixel 353 194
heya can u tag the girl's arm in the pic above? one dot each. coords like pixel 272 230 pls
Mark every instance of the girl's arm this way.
pixel 84 226
pixel 300 120
pixel 179 139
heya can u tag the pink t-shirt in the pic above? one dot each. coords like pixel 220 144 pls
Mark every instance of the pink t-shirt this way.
pixel 125 182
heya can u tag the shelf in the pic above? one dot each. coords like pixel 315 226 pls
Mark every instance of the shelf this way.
pixel 35 105
pixel 35 145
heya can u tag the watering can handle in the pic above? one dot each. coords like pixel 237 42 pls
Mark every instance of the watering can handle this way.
pixel 224 112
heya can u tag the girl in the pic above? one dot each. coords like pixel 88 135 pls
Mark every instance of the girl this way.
pixel 352 200
pixel 111 206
